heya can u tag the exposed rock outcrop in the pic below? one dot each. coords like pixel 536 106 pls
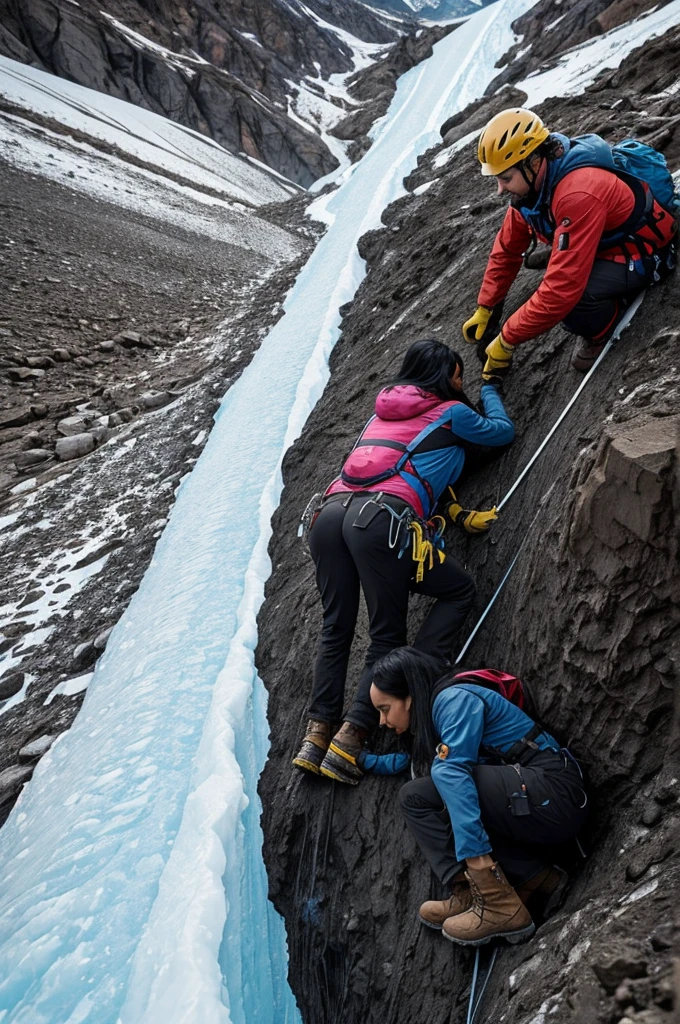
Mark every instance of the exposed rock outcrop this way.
pixel 225 69
pixel 587 619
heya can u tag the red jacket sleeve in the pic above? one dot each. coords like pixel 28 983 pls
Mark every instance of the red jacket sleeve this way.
pixel 580 218
pixel 506 258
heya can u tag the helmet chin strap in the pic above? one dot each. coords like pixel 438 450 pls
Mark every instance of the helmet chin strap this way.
pixel 530 177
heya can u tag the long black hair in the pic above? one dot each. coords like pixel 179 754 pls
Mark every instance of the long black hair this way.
pixel 406 672
pixel 429 365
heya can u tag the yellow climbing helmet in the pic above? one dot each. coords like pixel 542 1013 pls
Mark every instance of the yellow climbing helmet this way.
pixel 508 138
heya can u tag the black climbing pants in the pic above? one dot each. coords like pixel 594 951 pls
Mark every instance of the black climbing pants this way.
pixel 557 806
pixel 611 287
pixel 350 559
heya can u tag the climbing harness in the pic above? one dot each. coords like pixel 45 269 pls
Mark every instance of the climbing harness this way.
pixel 310 513
pixel 475 1003
pixel 621 326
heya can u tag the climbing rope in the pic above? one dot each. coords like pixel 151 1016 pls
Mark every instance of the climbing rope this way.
pixel 621 326
pixel 474 1004
pixel 541 505
pixel 623 323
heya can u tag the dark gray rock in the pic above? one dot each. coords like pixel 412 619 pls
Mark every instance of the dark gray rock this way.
pixel 10 684
pixel 34 750
pixel 101 640
pixel 22 374
pixel 155 399
pixel 16 417
pixel 74 447
pixel 32 457
pixel 84 655
pixel 11 781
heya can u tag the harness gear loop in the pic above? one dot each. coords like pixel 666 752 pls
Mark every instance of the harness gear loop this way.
pixel 427 539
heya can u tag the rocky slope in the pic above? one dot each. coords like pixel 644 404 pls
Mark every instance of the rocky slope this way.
pixel 118 336
pixel 587 619
pixel 253 76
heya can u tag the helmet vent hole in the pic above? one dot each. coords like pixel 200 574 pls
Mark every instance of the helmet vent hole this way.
pixel 503 139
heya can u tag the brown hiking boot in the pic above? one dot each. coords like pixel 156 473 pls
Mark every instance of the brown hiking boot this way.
pixel 340 762
pixel 314 746
pixel 433 913
pixel 496 911
pixel 585 356
pixel 544 894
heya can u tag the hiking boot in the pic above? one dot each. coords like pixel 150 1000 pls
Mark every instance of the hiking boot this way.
pixel 340 762
pixel 496 911
pixel 314 746
pixel 585 356
pixel 544 894
pixel 433 913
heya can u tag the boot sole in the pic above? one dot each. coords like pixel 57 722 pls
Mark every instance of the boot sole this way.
pixel 430 924
pixel 514 938
pixel 330 774
pixel 307 766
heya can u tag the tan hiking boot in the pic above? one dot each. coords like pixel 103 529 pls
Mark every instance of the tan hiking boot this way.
pixel 340 762
pixel 496 911
pixel 544 894
pixel 433 913
pixel 314 746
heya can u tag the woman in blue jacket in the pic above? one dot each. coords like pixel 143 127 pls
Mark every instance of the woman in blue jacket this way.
pixel 500 789
pixel 371 534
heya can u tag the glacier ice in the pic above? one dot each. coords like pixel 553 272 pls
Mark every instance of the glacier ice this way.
pixel 134 888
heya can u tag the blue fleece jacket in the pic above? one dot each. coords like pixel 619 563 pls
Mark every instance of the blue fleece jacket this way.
pixel 467 717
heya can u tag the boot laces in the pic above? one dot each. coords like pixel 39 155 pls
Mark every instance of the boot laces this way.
pixel 477 899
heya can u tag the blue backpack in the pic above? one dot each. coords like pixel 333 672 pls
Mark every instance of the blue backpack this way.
pixel 646 163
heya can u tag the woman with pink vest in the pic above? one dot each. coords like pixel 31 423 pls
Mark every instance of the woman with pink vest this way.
pixel 373 533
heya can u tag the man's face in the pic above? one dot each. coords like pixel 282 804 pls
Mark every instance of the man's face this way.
pixel 513 182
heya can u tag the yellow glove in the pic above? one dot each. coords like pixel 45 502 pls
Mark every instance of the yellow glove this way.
pixel 469 519
pixel 499 355
pixel 473 329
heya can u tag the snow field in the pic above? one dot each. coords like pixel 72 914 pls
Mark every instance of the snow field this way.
pixel 141 133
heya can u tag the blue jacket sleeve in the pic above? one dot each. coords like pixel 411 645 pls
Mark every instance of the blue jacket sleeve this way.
pixel 459 720
pixel 494 428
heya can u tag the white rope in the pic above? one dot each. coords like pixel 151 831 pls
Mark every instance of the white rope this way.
pixel 541 505
pixel 623 323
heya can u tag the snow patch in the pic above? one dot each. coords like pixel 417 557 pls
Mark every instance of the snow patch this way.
pixel 579 67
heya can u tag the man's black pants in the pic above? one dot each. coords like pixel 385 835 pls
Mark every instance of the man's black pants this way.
pixel 350 559
pixel 557 813
pixel 611 287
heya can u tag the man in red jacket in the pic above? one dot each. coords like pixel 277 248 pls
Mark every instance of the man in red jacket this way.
pixel 610 238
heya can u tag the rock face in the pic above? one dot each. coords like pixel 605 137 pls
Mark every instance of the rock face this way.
pixel 587 619
pixel 224 68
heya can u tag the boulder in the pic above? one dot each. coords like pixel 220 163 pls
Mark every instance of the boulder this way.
pixel 84 655
pixel 625 492
pixel 11 684
pixel 16 417
pixel 31 457
pixel 11 781
pixel 74 447
pixel 22 374
pixel 155 399
pixel 34 750
pixel 41 362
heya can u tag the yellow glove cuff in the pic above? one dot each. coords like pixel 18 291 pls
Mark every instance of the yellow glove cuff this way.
pixel 474 328
pixel 500 350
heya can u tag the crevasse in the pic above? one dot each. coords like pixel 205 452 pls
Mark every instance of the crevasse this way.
pixel 133 883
